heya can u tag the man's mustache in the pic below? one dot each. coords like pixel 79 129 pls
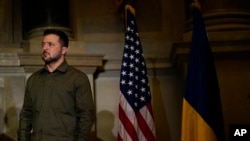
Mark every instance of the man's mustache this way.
pixel 45 52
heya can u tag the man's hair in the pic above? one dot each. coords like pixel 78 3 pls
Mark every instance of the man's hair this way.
pixel 63 38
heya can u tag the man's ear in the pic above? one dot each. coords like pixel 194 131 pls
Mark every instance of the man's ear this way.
pixel 64 50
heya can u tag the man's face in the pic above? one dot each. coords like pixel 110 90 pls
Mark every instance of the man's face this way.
pixel 52 50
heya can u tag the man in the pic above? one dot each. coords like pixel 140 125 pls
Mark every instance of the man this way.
pixel 58 103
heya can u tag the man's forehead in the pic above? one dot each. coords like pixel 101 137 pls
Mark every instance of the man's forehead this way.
pixel 51 37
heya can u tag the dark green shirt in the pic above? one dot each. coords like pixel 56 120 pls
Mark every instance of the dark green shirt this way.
pixel 57 106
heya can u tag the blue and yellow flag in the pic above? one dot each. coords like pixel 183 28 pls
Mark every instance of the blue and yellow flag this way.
pixel 202 118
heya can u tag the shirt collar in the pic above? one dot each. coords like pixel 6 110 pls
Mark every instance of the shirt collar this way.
pixel 62 68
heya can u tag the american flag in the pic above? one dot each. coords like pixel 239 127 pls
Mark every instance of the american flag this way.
pixel 135 110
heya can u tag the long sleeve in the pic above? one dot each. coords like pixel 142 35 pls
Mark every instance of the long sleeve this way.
pixel 85 110
pixel 25 123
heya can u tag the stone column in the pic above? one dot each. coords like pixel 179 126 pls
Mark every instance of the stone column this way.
pixel 223 16
pixel 43 14
pixel 6 21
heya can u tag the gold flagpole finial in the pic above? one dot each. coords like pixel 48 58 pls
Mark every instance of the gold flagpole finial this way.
pixel 120 7
pixel 196 4
pixel 130 8
pixel 132 11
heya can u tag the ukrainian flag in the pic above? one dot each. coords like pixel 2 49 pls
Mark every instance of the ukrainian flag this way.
pixel 202 118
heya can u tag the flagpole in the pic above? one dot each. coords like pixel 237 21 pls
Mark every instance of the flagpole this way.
pixel 131 9
pixel 196 4
pixel 121 7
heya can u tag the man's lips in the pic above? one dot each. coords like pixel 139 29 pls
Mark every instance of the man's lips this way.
pixel 45 53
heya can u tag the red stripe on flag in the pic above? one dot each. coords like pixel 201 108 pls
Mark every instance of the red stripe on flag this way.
pixel 119 138
pixel 147 132
pixel 149 106
pixel 127 124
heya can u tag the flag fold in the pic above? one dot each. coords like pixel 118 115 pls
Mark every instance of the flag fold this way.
pixel 202 118
pixel 135 110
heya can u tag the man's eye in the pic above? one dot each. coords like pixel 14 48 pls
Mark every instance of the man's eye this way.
pixel 48 43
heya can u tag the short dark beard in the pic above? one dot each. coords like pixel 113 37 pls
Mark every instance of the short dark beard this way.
pixel 51 60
